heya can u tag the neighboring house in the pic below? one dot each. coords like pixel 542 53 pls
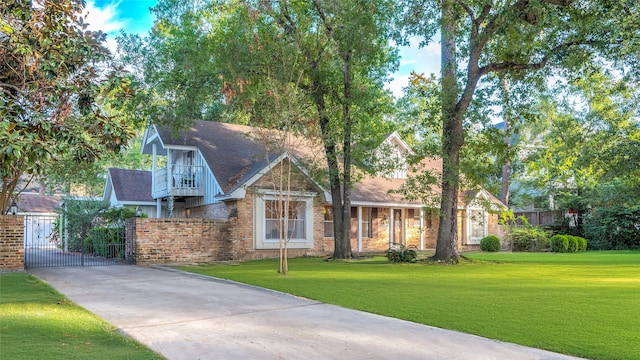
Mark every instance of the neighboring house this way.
pixel 37 204
pixel 39 213
pixel 132 189
pixel 225 171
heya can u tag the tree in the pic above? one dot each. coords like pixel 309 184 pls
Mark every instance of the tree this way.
pixel 89 178
pixel 513 36
pixel 339 48
pixel 589 144
pixel 56 93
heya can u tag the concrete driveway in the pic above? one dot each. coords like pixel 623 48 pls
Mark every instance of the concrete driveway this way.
pixel 187 316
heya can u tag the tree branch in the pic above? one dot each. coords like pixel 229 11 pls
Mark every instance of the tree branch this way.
pixel 510 66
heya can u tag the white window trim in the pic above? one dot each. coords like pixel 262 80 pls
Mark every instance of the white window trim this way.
pixel 259 221
pixel 473 240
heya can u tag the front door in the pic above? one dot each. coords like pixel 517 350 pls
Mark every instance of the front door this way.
pixel 398 228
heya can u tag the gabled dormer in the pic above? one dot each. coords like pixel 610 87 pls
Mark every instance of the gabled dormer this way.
pixel 392 157
pixel 179 169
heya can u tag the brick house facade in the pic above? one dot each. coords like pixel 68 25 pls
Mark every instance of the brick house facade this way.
pixel 225 173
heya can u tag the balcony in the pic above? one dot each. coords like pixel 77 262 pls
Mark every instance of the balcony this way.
pixel 180 181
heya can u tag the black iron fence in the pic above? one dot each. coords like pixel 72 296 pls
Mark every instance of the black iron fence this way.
pixel 47 245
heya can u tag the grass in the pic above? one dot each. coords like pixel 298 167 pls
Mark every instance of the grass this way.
pixel 36 322
pixel 581 304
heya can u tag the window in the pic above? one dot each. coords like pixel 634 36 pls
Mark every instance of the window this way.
pixel 272 217
pixel 477 226
pixel 428 219
pixel 276 221
pixel 366 222
pixel 328 222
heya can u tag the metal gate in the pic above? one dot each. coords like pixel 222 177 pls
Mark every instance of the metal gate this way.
pixel 45 246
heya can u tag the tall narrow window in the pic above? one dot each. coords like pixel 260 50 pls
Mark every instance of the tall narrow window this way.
pixel 477 226
pixel 328 222
pixel 366 222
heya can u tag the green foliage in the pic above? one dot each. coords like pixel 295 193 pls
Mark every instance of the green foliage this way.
pixel 614 228
pixel 572 243
pixel 60 95
pixel 520 38
pixel 398 253
pixel 106 242
pixel 582 244
pixel 295 66
pixel 559 243
pixel 528 238
pixel 80 218
pixel 521 235
pixel 490 243
pixel 117 216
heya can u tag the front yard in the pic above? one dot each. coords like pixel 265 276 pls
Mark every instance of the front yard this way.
pixel 582 304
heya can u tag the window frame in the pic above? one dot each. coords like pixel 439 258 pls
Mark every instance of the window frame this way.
pixel 471 239
pixel 261 242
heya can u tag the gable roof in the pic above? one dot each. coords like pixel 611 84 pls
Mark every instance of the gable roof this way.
pixel 36 203
pixel 237 154
pixel 130 185
pixel 234 153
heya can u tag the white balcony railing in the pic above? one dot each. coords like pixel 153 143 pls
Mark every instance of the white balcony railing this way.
pixel 183 180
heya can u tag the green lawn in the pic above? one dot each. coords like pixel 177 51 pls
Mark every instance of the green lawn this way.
pixel 582 304
pixel 36 322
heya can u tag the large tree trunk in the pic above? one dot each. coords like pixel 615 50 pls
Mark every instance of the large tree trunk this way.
pixel 447 241
pixel 343 248
pixel 342 242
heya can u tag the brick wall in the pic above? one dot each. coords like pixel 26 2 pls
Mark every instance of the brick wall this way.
pixel 11 243
pixel 181 241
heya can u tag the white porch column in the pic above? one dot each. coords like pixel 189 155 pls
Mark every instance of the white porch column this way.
pixel 392 228
pixel 169 176
pixel 421 228
pixel 154 168
pixel 359 228
pixel 158 208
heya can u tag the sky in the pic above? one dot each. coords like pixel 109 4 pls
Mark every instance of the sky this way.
pixel 133 16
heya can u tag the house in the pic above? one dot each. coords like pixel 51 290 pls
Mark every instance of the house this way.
pixel 132 189
pixel 226 171
pixel 40 215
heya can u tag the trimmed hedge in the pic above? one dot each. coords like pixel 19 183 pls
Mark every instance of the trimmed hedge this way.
pixel 572 243
pixel 490 243
pixel 582 244
pixel 559 243
pixel 568 243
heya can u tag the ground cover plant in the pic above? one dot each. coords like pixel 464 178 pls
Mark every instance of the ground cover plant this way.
pixel 582 304
pixel 39 323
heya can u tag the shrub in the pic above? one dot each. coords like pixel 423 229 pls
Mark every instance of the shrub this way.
pixel 572 243
pixel 582 243
pixel 399 253
pixel 615 228
pixel 105 242
pixel 490 243
pixel 528 238
pixel 559 243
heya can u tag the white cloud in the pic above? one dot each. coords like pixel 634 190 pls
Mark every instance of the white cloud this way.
pixel 397 84
pixel 106 19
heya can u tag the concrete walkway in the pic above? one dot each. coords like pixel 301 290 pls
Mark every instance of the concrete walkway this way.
pixel 186 316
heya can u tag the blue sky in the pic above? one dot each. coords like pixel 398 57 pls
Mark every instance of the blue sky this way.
pixel 133 16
